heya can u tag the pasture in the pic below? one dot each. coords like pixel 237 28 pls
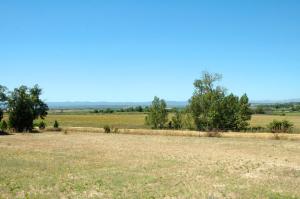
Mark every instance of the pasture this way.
pixel 97 165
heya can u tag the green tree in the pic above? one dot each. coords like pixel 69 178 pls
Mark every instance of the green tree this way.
pixel 212 109
pixel 24 106
pixel 244 113
pixel 158 115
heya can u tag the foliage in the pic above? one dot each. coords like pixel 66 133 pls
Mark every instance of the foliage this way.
pixel 212 109
pixel 283 126
pixel 42 125
pixel 24 106
pixel 3 98
pixel 259 110
pixel 158 115
pixel 3 125
pixel 107 129
pixel 56 124
pixel 188 121
pixel 177 120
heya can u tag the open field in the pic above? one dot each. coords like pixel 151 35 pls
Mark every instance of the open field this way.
pixel 54 165
pixel 136 120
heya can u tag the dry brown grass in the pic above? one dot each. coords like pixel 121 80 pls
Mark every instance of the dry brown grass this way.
pixel 98 165
pixel 187 133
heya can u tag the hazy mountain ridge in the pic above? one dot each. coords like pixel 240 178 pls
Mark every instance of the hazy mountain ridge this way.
pixel 91 105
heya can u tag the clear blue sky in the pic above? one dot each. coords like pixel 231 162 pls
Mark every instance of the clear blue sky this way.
pixel 106 50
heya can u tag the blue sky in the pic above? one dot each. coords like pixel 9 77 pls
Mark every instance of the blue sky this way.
pixel 100 50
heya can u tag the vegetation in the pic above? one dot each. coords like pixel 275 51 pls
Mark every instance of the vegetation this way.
pixel 283 126
pixel 24 106
pixel 42 125
pixel 56 124
pixel 3 125
pixel 158 115
pixel 177 120
pixel 277 109
pixel 139 109
pixel 107 129
pixel 212 109
pixel 2 99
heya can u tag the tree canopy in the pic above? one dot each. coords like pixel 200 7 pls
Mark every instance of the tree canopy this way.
pixel 158 114
pixel 24 106
pixel 212 109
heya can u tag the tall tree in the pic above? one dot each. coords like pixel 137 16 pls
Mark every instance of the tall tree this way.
pixel 24 106
pixel 158 114
pixel 212 109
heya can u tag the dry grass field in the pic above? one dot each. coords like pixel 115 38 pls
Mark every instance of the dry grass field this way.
pixel 97 165
pixel 137 120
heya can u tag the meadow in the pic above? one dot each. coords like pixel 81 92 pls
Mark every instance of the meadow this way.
pixel 137 120
pixel 97 165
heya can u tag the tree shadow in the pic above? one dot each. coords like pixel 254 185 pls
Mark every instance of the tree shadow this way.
pixel 3 133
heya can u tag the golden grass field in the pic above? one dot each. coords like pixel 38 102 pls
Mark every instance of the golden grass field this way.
pixel 98 165
pixel 137 121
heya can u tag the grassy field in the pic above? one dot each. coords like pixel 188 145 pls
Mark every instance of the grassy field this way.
pixel 77 165
pixel 136 120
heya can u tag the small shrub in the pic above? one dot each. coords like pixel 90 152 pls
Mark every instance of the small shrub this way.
pixel 107 129
pixel 3 125
pixel 283 126
pixel 42 125
pixel 66 132
pixel 56 124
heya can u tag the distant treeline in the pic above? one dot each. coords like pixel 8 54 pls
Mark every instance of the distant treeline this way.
pixel 276 108
pixel 136 109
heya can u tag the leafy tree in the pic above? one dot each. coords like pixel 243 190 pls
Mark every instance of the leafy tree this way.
pixel 24 106
pixel 244 113
pixel 177 120
pixel 158 115
pixel 212 109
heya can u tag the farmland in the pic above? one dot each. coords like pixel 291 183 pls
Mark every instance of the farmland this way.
pixel 137 120
pixel 54 165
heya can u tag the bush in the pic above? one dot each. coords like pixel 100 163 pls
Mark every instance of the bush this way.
pixel 56 124
pixel 42 125
pixel 107 129
pixel 3 125
pixel 283 126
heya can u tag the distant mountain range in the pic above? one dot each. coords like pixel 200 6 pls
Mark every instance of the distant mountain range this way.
pixel 101 105
pixel 115 105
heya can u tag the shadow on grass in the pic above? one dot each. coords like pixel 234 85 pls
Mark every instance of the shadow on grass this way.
pixel 2 133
